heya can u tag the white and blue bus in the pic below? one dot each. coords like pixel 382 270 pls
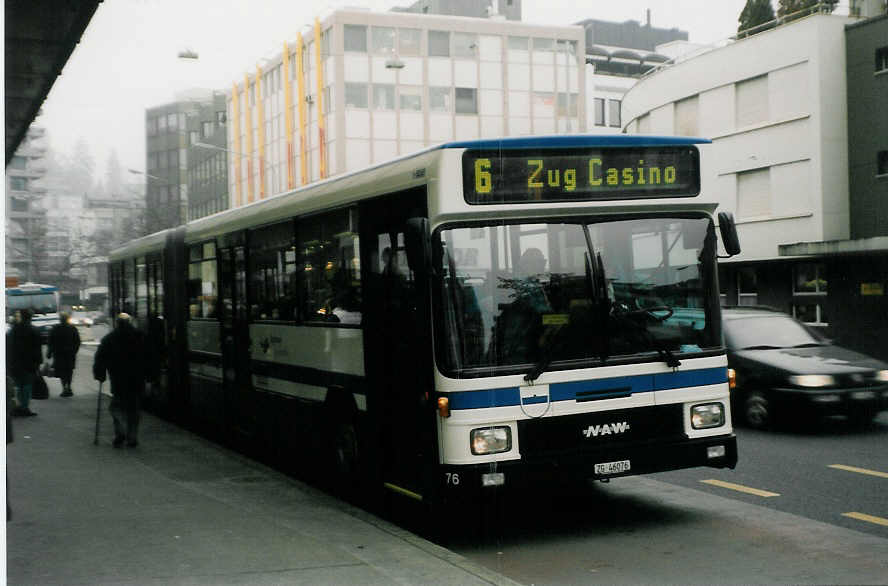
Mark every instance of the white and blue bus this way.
pixel 42 300
pixel 473 315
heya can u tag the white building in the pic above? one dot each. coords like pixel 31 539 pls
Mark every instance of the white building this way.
pixel 774 105
pixel 394 83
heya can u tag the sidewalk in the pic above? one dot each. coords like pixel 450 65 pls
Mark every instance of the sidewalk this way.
pixel 181 510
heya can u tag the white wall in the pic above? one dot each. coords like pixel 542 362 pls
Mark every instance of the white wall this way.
pixel 774 106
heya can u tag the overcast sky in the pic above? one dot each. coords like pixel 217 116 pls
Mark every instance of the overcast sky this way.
pixel 127 59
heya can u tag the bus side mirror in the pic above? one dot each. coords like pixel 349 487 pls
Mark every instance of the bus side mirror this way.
pixel 418 245
pixel 728 229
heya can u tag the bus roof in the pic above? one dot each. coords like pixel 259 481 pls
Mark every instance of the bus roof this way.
pixel 575 140
pixel 30 289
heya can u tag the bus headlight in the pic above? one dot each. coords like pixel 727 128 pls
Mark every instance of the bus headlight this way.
pixel 491 440
pixel 708 415
pixel 882 376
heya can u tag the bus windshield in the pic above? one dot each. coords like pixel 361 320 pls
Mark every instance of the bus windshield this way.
pixel 39 303
pixel 576 293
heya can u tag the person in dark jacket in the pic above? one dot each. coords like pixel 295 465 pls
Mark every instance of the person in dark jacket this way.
pixel 64 341
pixel 125 355
pixel 23 357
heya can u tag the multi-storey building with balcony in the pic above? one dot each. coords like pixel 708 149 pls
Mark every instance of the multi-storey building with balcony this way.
pixel 25 217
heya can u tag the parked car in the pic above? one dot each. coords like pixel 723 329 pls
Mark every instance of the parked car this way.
pixel 786 372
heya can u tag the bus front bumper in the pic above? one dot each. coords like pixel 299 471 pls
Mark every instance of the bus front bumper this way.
pixel 612 462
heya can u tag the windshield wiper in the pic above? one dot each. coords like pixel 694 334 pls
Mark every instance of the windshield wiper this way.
pixel 808 345
pixel 548 354
pixel 762 347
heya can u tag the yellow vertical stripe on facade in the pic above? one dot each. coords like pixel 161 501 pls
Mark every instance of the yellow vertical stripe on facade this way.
pixel 248 130
pixel 322 139
pixel 235 110
pixel 300 101
pixel 288 115
pixel 260 127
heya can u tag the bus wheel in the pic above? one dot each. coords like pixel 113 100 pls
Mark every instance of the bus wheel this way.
pixel 757 411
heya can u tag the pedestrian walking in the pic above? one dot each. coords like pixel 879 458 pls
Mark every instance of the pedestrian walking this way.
pixel 23 357
pixel 125 355
pixel 64 341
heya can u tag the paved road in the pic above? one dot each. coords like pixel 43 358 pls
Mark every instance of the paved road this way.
pixel 830 471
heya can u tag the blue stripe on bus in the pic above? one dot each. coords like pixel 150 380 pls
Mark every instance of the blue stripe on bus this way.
pixel 574 140
pixel 590 390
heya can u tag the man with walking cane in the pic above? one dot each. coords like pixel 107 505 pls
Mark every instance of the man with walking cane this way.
pixel 124 355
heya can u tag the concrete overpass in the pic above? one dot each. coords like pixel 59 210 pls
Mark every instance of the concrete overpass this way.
pixel 40 37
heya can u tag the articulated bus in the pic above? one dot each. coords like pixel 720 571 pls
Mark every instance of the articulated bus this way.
pixel 478 314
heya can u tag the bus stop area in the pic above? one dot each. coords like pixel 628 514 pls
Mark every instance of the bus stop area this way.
pixel 179 509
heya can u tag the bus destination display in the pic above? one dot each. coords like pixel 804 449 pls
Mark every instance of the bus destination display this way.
pixel 527 176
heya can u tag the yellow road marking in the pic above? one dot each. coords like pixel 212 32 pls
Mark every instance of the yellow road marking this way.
pixel 859 470
pixel 867 518
pixel 740 488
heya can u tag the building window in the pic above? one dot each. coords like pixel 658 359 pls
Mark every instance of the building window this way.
pixel 754 193
pixel 206 129
pixel 598 107
pixel 355 38
pixel 809 278
pixel 439 99
pixel 355 95
pixel 383 96
pixel 752 101
pixel 686 116
pixel 19 205
pixel 544 45
pixel 747 286
pixel 172 121
pixel 220 118
pixel 881 59
pixel 408 41
pixel 439 44
pixel 465 45
pixel 410 98
pixel 193 137
pixel 613 113
pixel 20 163
pixel 151 127
pixel 383 39
pixel 809 287
pixel 466 100
pixel 567 104
pixel 882 163
pixel 161 123
pixel 18 184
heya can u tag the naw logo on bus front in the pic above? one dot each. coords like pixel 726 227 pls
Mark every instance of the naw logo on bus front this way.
pixel 606 429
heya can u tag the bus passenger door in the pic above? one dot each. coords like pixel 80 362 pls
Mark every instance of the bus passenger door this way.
pixel 397 347
pixel 235 344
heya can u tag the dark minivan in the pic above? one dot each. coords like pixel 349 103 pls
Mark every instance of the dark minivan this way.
pixel 787 372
